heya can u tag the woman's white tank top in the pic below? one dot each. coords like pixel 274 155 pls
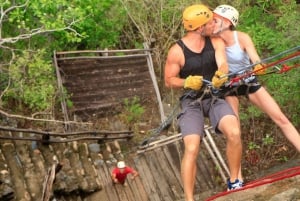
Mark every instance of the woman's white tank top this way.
pixel 237 58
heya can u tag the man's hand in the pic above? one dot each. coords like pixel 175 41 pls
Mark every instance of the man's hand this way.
pixel 193 82
pixel 219 79
pixel 259 69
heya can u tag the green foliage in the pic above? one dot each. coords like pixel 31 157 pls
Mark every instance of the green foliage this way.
pixel 132 110
pixel 262 35
pixel 103 23
pixel 50 25
pixel 253 111
pixel 283 159
pixel 253 146
pixel 32 82
pixel 268 140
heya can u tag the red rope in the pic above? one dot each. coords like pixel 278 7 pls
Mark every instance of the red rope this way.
pixel 291 172
pixel 274 63
pixel 285 68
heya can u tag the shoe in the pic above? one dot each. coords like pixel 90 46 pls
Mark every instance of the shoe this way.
pixel 125 184
pixel 235 185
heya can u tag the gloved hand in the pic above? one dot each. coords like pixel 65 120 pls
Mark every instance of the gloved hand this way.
pixel 219 79
pixel 257 70
pixel 193 82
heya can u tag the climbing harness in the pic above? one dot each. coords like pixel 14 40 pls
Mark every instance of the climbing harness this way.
pixel 207 91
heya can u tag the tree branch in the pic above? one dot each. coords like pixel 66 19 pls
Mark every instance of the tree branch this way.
pixel 45 120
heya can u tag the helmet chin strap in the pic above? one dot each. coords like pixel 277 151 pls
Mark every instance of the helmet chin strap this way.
pixel 221 28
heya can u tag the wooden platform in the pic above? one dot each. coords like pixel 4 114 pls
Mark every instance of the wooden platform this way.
pixel 24 170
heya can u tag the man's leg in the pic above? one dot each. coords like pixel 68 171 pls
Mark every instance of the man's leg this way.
pixel 234 103
pixel 230 127
pixel 188 165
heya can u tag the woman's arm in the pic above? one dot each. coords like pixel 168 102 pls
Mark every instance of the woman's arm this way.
pixel 248 45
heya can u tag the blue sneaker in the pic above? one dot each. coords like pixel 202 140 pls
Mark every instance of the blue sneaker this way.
pixel 235 185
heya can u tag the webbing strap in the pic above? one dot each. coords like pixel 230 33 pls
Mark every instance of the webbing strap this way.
pixel 241 83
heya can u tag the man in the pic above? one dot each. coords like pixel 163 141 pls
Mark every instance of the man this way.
pixel 191 60
pixel 119 174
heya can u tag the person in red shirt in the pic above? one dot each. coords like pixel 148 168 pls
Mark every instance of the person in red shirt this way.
pixel 119 173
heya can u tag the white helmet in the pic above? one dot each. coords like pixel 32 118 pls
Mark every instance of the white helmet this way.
pixel 121 164
pixel 228 12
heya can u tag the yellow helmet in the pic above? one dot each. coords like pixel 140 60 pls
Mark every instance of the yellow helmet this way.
pixel 195 16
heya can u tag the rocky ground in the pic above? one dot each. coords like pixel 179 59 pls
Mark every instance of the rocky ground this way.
pixel 279 183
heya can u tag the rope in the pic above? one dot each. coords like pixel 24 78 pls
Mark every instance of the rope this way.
pixel 290 57
pixel 266 60
pixel 291 172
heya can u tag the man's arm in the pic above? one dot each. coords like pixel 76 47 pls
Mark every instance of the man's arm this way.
pixel 220 76
pixel 134 173
pixel 114 177
pixel 172 68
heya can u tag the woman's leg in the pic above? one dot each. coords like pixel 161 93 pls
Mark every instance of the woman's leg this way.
pixel 264 101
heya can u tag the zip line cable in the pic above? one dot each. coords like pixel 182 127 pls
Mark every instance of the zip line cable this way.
pixel 297 48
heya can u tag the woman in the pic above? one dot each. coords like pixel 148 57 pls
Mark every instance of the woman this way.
pixel 240 52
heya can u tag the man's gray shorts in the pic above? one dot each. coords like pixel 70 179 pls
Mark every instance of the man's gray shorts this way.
pixel 191 119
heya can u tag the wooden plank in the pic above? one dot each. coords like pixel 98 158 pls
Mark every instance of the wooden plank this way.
pixel 5 175
pixel 162 186
pixel 47 185
pixel 102 58
pixel 137 187
pixel 147 178
pixel 121 192
pixel 129 188
pixel 174 186
pixel 102 51
pixel 109 189
pixel 16 172
pixel 155 146
pixel 174 154
pixel 202 174
pixel 97 196
pixel 32 176
pixel 107 185
pixel 77 166
pixel 118 187
pixel 209 170
pixel 89 172
pixel 159 142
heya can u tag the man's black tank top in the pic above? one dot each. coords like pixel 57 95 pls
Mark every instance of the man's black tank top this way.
pixel 203 63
